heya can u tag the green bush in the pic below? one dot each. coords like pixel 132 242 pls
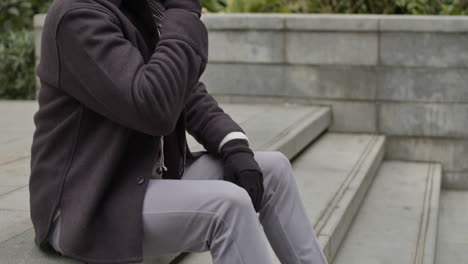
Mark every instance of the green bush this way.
pixel 433 7
pixel 17 79
pixel 18 14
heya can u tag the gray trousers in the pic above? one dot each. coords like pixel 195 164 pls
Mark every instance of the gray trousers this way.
pixel 202 212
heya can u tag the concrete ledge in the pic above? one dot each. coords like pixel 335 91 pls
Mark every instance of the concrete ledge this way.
pixel 413 23
pixel 243 21
pixel 337 22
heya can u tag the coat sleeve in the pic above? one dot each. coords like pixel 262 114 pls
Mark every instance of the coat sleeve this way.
pixel 109 74
pixel 208 123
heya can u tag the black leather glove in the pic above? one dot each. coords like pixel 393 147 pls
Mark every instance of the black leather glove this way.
pixel 189 5
pixel 241 168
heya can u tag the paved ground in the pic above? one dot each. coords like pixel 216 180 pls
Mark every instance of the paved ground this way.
pixel 16 131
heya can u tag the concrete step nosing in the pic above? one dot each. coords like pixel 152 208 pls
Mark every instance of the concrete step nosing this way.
pixel 332 228
pixel 297 136
pixel 426 248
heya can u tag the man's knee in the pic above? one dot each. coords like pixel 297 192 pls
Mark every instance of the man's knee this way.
pixel 232 196
pixel 276 165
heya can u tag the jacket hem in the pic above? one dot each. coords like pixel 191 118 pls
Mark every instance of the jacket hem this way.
pixel 135 259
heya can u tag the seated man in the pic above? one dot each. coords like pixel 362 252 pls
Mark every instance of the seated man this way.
pixel 112 179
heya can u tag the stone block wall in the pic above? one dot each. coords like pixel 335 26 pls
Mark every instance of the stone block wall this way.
pixel 402 76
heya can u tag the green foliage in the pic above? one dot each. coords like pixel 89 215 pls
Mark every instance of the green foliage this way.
pixel 214 5
pixel 17 14
pixel 258 6
pixel 17 79
pixel 442 7
pixel 416 7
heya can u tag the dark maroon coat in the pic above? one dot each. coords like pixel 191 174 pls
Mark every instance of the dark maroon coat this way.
pixel 109 89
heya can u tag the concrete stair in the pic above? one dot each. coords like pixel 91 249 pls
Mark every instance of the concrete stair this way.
pixel 285 128
pixel 397 222
pixel 364 209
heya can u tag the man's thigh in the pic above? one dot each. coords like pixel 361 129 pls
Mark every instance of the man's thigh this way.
pixel 210 167
pixel 178 215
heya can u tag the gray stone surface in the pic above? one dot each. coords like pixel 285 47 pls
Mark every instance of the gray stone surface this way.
pixel 253 21
pixel 352 116
pixel 246 46
pixel 412 23
pixel 424 49
pixel 452 240
pixel 456 180
pixel 443 85
pixel 330 82
pixel 21 250
pixel 348 116
pixel 245 79
pixel 410 119
pixel 333 175
pixel 331 22
pixel 397 222
pixel 302 81
pixel 451 153
pixel 341 48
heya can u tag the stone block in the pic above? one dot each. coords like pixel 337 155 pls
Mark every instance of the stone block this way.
pixel 246 46
pixel 330 82
pixel 331 22
pixel 334 82
pixel 411 23
pixel 243 21
pixel 456 180
pixel 244 79
pixel 351 116
pixel 423 84
pixel 443 120
pixel 423 49
pixel 342 48
pixel 451 153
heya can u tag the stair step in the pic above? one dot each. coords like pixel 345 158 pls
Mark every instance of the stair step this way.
pixel 452 238
pixel 285 128
pixel 397 222
pixel 333 175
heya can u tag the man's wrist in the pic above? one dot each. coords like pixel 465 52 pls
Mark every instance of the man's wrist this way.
pixel 235 146
pixel 231 136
